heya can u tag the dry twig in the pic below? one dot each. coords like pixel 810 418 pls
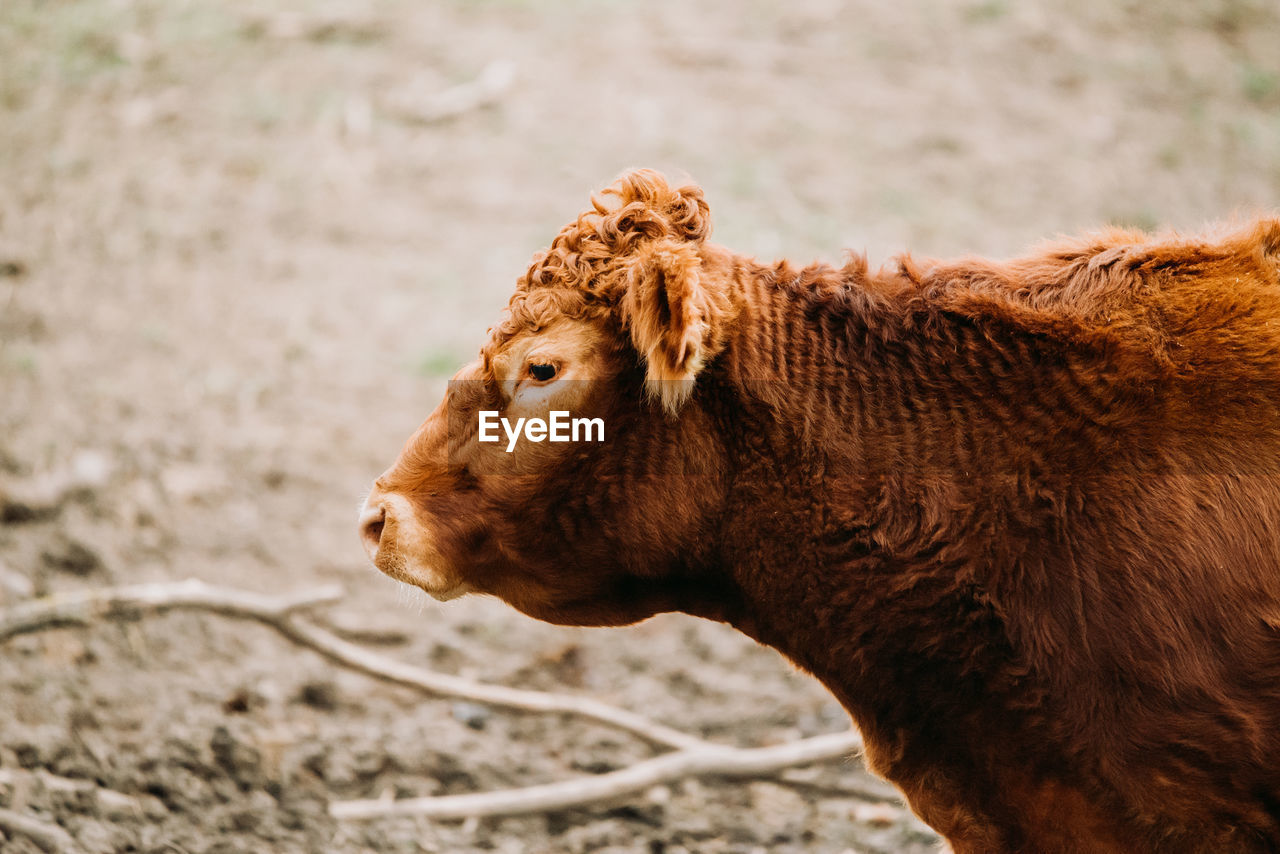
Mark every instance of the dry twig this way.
pixel 693 756
pixel 108 798
pixel 443 684
pixel 695 762
pixel 48 836
pixel 81 607
pixel 277 611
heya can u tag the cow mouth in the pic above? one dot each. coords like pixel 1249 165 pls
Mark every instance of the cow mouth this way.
pixel 430 582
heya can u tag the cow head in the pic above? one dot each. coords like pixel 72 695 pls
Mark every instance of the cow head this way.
pixel 610 327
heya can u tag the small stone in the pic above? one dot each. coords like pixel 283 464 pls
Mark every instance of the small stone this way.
pixel 242 700
pixel 68 554
pixel 28 502
pixel 658 795
pixel 89 470
pixel 27 754
pixel 473 715
pixel 245 821
pixel 320 695
pixel 241 761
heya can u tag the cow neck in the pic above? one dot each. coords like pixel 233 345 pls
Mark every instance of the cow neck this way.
pixel 844 493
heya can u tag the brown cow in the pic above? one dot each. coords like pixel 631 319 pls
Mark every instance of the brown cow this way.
pixel 1022 518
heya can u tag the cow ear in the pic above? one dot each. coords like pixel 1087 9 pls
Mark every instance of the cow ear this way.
pixel 668 311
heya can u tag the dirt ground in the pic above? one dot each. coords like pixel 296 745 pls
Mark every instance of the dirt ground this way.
pixel 236 267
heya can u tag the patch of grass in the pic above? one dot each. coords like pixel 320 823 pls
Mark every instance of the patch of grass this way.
pixel 155 335
pixel 25 362
pixel 1260 85
pixel 1198 112
pixel 1243 131
pixel 744 178
pixel 439 363
pixel 296 351
pixel 898 201
pixel 1143 220
pixel 1169 156
pixel 264 110
pixel 942 143
pixel 824 231
pixel 989 10
pixel 75 41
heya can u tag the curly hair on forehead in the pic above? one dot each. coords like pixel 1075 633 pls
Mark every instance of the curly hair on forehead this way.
pixel 583 272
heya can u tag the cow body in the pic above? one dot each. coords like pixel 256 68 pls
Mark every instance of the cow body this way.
pixel 1023 518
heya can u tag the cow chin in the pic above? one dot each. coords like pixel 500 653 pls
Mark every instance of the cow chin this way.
pixel 421 574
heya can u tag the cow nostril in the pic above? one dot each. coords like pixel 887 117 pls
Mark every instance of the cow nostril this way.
pixel 371 525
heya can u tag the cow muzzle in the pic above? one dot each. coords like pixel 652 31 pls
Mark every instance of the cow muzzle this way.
pixel 400 546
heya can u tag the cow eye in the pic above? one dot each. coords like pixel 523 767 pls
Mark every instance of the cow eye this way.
pixel 542 373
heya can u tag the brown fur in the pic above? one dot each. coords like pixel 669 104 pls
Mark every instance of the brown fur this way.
pixel 1022 518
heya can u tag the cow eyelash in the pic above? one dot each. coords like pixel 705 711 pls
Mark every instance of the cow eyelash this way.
pixel 542 372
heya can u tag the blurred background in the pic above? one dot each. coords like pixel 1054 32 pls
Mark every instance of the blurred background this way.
pixel 242 247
